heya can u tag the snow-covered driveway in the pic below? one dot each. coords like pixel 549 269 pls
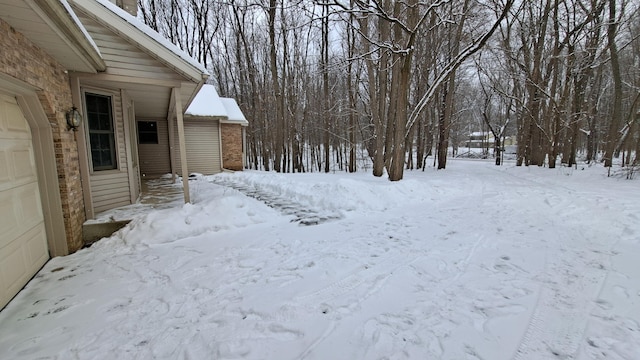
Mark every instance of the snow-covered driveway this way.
pixel 474 262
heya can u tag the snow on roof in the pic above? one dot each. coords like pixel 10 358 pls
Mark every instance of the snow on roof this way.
pixel 207 103
pixel 79 24
pixel 152 34
pixel 233 111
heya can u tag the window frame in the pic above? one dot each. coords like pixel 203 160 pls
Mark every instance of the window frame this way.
pixel 157 135
pixel 114 130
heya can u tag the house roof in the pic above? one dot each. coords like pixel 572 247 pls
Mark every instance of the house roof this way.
pixel 234 114
pixel 53 26
pixel 128 27
pixel 138 59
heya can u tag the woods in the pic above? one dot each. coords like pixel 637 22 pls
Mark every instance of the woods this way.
pixel 385 86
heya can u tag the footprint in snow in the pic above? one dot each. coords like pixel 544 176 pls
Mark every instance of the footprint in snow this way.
pixel 604 304
pixel 621 291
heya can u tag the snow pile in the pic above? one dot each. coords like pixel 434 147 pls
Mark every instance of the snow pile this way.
pixel 214 209
pixel 355 192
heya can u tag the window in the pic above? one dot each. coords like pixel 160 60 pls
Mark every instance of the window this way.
pixel 101 131
pixel 147 132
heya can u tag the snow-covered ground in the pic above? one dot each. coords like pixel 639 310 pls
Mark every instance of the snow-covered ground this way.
pixel 474 262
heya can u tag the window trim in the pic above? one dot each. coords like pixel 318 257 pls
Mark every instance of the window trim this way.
pixel 114 120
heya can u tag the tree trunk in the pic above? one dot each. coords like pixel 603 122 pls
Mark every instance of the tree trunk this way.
pixel 325 88
pixel 278 143
pixel 616 107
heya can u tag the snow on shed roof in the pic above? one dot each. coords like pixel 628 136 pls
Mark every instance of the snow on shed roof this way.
pixel 152 34
pixel 207 103
pixel 233 112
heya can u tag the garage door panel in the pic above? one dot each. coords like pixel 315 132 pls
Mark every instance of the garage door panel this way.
pixel 30 207
pixel 20 209
pixel 20 260
pixel 23 165
pixel 23 241
pixel 14 264
pixel 8 219
pixel 4 168
pixel 17 166
pixel 37 248
pixel 15 121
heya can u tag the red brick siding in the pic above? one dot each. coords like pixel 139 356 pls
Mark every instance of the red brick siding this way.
pixel 231 146
pixel 23 60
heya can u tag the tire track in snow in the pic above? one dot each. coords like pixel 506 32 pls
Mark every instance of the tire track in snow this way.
pixel 573 277
pixel 370 277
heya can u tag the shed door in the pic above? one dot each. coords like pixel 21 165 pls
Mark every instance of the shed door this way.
pixel 23 241
pixel 202 140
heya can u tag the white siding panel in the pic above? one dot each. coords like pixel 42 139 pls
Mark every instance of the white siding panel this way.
pixel 110 191
pixel 202 139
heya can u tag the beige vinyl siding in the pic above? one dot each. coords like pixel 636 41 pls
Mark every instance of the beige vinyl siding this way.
pixel 124 58
pixel 202 138
pixel 111 188
pixel 154 158
pixel 110 191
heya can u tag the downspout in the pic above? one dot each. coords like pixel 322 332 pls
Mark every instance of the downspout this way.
pixel 220 144
pixel 244 147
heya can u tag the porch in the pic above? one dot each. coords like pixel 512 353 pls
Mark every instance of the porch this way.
pixel 156 193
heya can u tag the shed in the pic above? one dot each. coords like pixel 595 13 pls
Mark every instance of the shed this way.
pixel 214 134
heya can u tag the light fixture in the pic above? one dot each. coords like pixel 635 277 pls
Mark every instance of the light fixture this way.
pixel 74 119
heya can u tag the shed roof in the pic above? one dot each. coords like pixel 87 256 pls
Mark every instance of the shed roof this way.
pixel 234 114
pixel 207 103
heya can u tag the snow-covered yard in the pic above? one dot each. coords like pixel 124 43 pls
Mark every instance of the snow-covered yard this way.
pixel 474 262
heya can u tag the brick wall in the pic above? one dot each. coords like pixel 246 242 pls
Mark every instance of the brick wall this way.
pixel 23 60
pixel 231 146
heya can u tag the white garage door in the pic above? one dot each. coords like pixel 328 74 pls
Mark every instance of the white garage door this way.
pixel 202 140
pixel 23 243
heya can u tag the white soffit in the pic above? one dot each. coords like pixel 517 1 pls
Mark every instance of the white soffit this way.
pixel 53 27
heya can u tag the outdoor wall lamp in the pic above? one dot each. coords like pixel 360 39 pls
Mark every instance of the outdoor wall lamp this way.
pixel 74 119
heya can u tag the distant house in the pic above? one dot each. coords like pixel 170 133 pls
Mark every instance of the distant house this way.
pixel 94 63
pixel 485 139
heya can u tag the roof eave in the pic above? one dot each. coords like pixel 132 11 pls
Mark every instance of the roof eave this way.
pixel 75 36
pixel 128 31
pixel 235 122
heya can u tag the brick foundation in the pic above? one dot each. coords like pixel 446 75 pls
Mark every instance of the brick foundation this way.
pixel 23 60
